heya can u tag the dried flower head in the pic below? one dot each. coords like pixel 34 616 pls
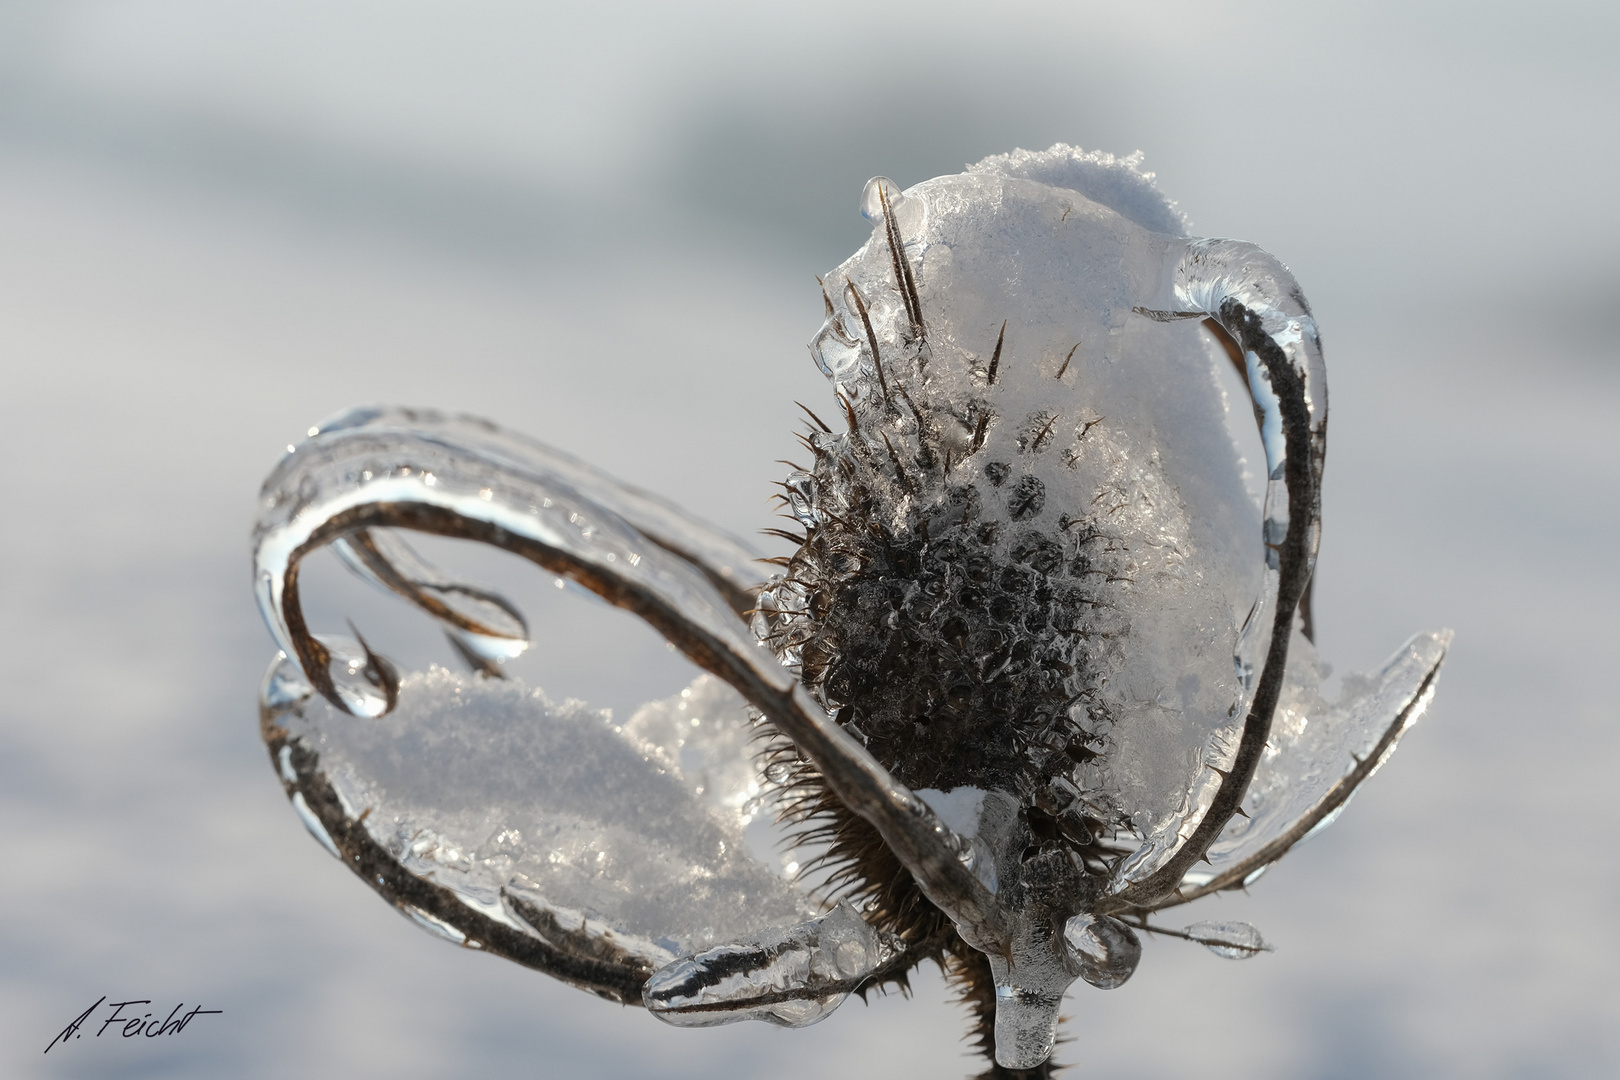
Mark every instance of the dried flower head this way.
pixel 1038 667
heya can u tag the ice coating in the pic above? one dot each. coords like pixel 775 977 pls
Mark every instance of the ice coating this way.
pixel 1229 940
pixel 793 976
pixel 517 806
pixel 1034 641
pixel 1091 441
pixel 1029 562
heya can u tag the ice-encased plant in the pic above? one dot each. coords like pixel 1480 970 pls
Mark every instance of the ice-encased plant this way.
pixel 1038 668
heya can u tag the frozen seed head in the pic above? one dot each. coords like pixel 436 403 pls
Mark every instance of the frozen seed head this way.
pixel 1007 578
pixel 1027 583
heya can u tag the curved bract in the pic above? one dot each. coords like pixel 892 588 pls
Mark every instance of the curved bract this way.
pixel 1035 650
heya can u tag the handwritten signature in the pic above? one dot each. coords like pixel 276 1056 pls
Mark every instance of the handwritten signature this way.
pixel 133 1026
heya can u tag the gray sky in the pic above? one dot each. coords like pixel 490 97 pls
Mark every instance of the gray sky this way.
pixel 221 223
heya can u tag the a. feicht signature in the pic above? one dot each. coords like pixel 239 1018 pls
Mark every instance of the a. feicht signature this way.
pixel 134 1023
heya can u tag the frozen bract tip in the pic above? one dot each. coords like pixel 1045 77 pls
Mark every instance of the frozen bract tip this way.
pixel 792 977
pixel 1228 940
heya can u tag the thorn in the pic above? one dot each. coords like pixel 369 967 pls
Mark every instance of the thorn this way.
pixel 819 422
pixel 899 469
pixel 1040 440
pixel 995 357
pixel 979 432
pixel 903 278
pixel 1066 360
pixel 825 299
pixel 1242 811
pixel 849 415
pixel 866 322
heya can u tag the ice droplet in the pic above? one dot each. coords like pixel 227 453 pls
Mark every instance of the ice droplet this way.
pixel 872 197
pixel 1106 949
pixel 801 496
pixel 359 675
pixel 313 824
pixel 1228 940
pixel 435 926
pixel 792 976
pixel 835 352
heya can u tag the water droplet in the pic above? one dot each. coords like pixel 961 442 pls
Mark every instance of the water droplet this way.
pixel 777 772
pixel 1105 949
pixel 1228 940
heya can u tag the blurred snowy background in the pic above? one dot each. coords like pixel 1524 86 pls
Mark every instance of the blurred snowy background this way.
pixel 220 223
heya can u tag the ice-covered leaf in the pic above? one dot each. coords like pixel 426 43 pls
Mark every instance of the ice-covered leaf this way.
pixel 484 810
pixel 1318 754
